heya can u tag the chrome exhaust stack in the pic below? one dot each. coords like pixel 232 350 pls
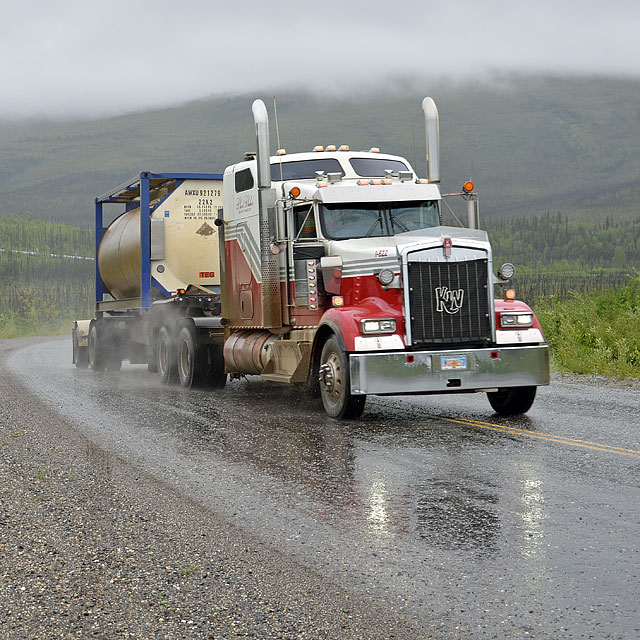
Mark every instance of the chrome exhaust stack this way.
pixel 269 262
pixel 473 216
pixel 432 129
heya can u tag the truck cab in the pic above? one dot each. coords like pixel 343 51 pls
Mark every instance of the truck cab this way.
pixel 365 266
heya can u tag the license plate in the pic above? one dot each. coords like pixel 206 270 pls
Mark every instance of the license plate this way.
pixel 447 363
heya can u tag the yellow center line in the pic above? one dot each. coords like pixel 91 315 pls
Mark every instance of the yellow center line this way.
pixel 550 435
pixel 585 444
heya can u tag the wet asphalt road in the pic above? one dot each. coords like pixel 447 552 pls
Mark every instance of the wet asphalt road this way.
pixel 431 507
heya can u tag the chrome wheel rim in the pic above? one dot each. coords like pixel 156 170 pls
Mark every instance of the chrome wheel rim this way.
pixel 184 361
pixel 163 356
pixel 331 378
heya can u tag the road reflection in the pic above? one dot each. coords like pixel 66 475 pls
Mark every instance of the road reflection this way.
pixel 400 472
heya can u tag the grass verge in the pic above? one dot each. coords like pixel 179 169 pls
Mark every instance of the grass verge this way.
pixel 595 333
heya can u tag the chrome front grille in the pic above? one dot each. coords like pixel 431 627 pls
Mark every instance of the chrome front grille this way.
pixel 448 302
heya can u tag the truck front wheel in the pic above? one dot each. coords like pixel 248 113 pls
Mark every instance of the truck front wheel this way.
pixel 335 383
pixel 513 401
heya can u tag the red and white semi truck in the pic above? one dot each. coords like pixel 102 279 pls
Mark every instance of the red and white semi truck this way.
pixel 329 269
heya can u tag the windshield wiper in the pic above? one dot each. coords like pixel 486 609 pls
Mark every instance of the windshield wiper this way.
pixel 373 226
pixel 401 225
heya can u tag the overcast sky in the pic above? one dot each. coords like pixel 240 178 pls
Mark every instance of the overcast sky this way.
pixel 99 57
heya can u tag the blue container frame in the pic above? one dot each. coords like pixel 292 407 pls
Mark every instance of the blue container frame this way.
pixel 143 182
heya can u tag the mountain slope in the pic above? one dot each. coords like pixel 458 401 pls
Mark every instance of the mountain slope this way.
pixel 531 144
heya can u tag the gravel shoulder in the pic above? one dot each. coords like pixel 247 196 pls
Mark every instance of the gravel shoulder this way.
pixel 596 381
pixel 92 547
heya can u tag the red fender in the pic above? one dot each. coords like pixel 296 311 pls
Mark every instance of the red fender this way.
pixel 345 321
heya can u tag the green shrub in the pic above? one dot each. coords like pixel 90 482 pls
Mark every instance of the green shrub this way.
pixel 595 333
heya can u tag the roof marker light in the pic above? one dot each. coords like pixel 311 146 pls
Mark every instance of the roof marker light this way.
pixel 374 150
pixel 318 148
pixel 281 152
pixel 422 181
pixel 363 183
pixel 331 147
pixel 387 181
pixel 295 192
pixel 344 147
pixel 376 181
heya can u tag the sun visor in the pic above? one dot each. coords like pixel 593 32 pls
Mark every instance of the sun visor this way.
pixel 377 193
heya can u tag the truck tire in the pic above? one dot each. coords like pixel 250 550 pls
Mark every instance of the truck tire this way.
pixel 166 357
pixel 512 402
pixel 80 354
pixel 217 377
pixel 95 350
pixel 192 359
pixel 335 383
pixel 152 356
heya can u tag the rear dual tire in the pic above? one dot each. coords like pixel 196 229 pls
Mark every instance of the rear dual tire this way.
pixel 80 354
pixel 103 352
pixel 166 357
pixel 185 360
pixel 200 366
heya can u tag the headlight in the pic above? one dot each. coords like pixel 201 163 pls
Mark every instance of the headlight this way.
pixel 378 326
pixel 506 271
pixel 516 320
pixel 385 277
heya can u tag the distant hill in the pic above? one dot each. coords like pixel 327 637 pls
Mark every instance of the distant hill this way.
pixel 531 144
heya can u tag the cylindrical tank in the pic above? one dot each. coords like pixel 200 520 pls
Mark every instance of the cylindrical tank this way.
pixel 119 256
pixel 247 351
pixel 183 237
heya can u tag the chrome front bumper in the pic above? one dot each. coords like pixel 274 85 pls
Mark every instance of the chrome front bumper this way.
pixel 396 373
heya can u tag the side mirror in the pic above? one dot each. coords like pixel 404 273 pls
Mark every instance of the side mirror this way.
pixel 331 269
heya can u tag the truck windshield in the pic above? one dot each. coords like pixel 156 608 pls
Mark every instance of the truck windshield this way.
pixel 376 167
pixel 304 169
pixel 362 220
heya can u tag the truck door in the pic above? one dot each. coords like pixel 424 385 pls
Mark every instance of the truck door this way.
pixel 306 251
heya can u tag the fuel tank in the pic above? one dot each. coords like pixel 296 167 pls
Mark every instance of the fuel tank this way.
pixel 184 242
pixel 247 351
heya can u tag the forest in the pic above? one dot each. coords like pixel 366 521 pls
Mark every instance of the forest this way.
pixel 582 278
pixel 555 256
pixel 46 276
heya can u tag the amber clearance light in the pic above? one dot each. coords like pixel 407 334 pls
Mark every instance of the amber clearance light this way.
pixel 468 186
pixel 295 192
